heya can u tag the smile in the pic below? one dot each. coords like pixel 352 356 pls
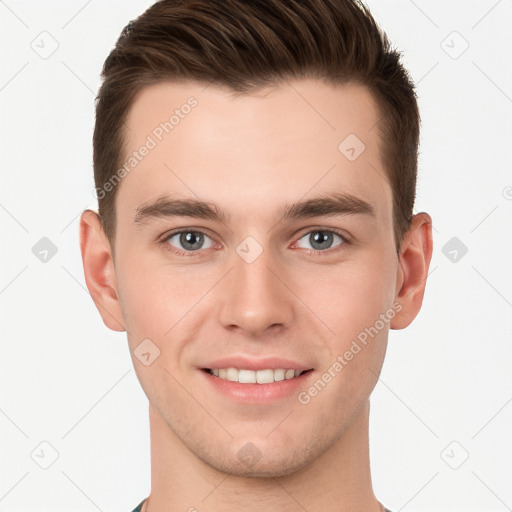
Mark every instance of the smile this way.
pixel 266 376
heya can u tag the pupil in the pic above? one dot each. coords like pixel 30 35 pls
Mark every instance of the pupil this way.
pixel 191 238
pixel 319 236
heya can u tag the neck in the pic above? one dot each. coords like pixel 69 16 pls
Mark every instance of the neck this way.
pixel 338 480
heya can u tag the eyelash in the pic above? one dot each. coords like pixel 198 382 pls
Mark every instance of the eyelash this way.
pixel 165 238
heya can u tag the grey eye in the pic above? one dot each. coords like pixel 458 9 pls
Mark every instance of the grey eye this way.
pixel 320 240
pixel 190 240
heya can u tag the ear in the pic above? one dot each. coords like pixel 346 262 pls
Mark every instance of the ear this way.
pixel 99 270
pixel 414 261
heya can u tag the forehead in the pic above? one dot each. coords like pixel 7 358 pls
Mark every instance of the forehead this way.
pixel 251 151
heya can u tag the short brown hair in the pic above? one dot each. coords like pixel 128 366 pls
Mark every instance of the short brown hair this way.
pixel 247 45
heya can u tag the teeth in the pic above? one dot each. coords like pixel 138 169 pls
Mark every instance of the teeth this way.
pixel 245 376
pixel 279 375
pixel 253 377
pixel 264 376
pixel 231 374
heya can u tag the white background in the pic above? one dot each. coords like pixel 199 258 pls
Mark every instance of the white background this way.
pixel 446 388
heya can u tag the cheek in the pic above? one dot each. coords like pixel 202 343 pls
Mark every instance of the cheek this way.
pixel 351 297
pixel 351 301
pixel 139 295
pixel 357 307
pixel 154 302
pixel 157 299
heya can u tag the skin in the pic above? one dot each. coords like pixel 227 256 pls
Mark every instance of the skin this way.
pixel 250 155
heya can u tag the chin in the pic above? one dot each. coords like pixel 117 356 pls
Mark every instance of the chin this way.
pixel 272 466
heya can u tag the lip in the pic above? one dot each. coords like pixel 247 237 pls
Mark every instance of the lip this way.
pixel 244 363
pixel 255 393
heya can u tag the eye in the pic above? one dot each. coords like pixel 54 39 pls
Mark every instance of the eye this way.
pixel 190 241
pixel 321 239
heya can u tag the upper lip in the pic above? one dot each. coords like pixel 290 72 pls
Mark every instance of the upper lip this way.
pixel 245 363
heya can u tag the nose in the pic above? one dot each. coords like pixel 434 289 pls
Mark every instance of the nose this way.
pixel 255 297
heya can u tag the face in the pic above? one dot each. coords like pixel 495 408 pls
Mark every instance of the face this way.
pixel 269 277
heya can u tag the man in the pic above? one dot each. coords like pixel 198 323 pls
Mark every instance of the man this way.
pixel 255 164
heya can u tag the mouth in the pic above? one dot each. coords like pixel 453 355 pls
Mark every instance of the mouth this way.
pixel 265 376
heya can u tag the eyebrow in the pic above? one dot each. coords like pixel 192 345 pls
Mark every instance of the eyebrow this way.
pixel 333 204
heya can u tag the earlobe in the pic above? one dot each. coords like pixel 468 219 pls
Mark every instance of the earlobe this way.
pixel 99 270
pixel 414 263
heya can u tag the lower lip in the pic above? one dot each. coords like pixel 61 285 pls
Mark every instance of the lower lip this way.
pixel 257 393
